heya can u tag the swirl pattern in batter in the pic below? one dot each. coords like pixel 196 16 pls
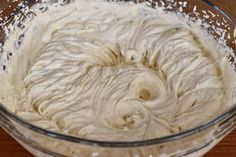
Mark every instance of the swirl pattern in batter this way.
pixel 122 73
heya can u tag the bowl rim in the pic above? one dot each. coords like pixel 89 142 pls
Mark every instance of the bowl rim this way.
pixel 78 140
pixel 226 114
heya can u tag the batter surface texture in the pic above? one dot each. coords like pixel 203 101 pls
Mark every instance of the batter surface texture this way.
pixel 114 72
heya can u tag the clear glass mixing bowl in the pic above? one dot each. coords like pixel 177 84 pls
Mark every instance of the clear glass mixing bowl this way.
pixel 194 142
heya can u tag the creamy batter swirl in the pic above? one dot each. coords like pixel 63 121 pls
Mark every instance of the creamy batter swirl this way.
pixel 119 73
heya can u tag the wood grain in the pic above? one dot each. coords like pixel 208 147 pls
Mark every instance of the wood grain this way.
pixel 226 148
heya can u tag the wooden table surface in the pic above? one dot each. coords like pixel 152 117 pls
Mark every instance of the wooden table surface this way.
pixel 226 148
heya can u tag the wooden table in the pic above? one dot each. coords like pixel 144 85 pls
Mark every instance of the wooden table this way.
pixel 226 148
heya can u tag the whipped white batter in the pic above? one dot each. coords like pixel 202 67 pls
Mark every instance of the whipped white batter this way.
pixel 113 72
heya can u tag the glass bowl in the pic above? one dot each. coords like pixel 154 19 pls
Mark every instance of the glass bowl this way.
pixel 194 142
